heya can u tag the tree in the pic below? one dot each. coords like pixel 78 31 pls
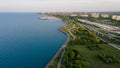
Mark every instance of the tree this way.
pixel 96 40
pixel 71 55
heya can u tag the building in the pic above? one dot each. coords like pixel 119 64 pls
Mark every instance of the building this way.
pixel 84 15
pixel 118 18
pixel 105 15
pixel 95 15
pixel 114 17
pixel 73 14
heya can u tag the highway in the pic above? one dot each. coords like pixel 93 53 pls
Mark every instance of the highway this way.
pixel 109 35
pixel 103 26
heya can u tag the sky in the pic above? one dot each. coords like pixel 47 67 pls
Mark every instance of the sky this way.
pixel 59 5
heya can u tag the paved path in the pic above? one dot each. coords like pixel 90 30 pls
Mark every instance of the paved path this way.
pixel 69 30
pixel 63 47
pixel 59 63
pixel 60 60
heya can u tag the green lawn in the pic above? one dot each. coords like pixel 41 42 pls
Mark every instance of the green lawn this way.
pixel 92 56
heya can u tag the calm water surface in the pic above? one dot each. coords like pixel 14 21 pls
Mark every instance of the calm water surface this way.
pixel 26 41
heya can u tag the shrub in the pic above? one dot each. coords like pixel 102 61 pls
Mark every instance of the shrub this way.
pixel 108 58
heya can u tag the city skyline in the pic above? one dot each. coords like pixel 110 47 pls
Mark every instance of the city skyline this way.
pixel 58 5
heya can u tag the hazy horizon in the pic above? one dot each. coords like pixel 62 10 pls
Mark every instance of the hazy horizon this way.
pixel 59 5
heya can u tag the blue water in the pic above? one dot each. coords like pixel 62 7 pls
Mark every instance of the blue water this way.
pixel 28 42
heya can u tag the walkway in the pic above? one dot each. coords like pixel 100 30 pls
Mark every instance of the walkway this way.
pixel 69 30
pixel 60 60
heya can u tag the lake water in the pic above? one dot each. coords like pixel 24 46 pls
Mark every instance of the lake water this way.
pixel 28 42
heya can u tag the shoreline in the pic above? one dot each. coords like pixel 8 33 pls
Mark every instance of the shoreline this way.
pixel 61 48
pixel 48 18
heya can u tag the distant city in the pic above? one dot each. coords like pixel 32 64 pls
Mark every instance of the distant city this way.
pixel 112 15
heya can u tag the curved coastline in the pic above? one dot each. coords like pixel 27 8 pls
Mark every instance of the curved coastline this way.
pixel 61 48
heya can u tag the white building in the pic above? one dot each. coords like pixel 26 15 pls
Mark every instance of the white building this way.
pixel 118 18
pixel 84 15
pixel 73 14
pixel 114 17
pixel 105 15
pixel 95 15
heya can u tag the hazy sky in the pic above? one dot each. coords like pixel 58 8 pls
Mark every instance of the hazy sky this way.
pixel 58 5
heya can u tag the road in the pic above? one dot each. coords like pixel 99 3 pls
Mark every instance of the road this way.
pixel 90 29
pixel 103 26
pixel 106 28
pixel 107 33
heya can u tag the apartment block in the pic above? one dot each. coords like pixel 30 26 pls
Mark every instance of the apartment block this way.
pixel 114 17
pixel 73 14
pixel 84 15
pixel 95 15
pixel 118 18
pixel 105 15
